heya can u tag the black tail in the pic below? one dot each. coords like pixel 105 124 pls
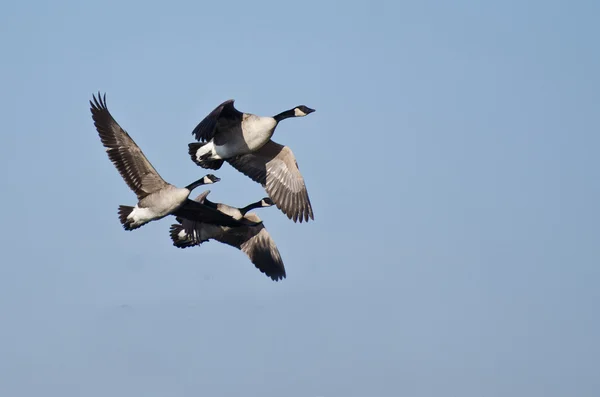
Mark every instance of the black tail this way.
pixel 179 241
pixel 124 212
pixel 204 161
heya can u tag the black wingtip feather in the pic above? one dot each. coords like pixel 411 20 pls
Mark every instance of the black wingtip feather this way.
pixel 99 102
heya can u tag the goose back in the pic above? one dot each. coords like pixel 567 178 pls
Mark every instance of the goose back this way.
pixel 166 200
pixel 234 132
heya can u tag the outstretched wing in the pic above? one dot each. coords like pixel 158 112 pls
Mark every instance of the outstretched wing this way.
pixel 124 153
pixel 274 166
pixel 257 244
pixel 225 112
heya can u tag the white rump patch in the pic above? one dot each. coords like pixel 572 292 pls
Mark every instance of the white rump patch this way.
pixel 208 148
pixel 141 215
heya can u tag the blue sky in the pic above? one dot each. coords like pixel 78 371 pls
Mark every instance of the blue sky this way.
pixel 452 164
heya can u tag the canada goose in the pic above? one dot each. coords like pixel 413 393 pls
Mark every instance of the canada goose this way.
pixel 244 141
pixel 254 241
pixel 156 198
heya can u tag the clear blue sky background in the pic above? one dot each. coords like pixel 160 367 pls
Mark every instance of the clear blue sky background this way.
pixel 452 164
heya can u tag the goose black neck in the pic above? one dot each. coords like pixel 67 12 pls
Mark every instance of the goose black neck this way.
pixel 195 184
pixel 250 207
pixel 285 115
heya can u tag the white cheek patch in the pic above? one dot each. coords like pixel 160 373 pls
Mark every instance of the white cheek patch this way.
pixel 299 113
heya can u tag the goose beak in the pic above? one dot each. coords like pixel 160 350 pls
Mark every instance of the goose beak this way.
pixel 212 178
pixel 309 110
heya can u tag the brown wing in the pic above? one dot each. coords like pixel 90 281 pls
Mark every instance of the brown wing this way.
pixel 124 153
pixel 274 166
pixel 225 112
pixel 258 245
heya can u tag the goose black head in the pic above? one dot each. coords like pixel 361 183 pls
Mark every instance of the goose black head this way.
pixel 210 178
pixel 266 202
pixel 301 111
pixel 205 180
pixel 298 111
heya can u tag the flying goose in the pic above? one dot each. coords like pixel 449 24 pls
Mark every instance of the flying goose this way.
pixel 156 198
pixel 254 241
pixel 244 141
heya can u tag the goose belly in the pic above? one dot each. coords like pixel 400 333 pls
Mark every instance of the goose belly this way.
pixel 163 203
pixel 243 145
pixel 254 133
